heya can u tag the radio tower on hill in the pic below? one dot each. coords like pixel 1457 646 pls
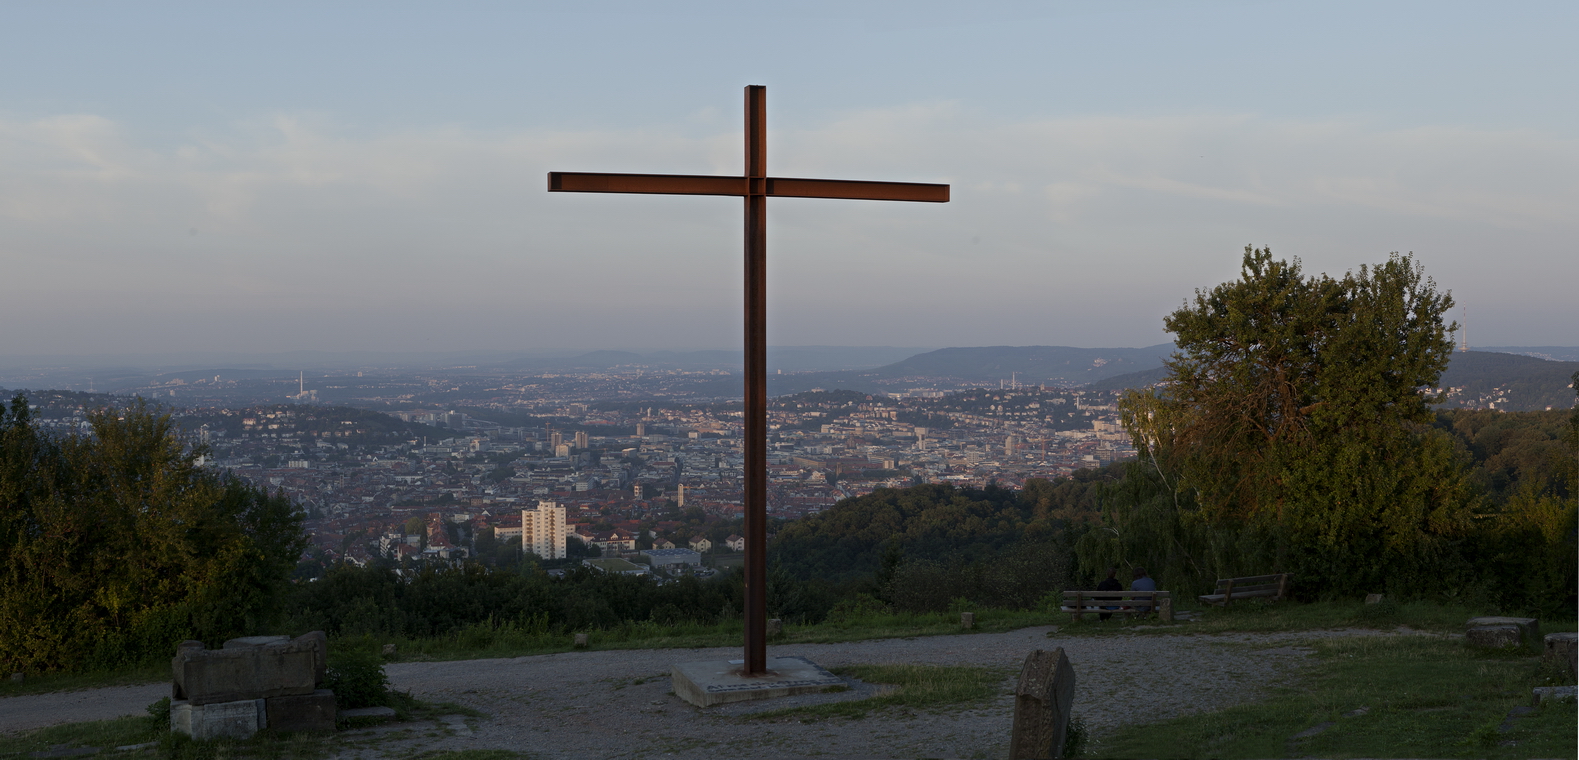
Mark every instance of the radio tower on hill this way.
pixel 1463 330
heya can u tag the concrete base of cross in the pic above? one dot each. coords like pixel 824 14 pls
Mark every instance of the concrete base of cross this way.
pixel 715 682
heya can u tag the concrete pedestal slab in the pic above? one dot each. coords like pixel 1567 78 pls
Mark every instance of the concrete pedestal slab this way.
pixel 238 720
pixel 715 682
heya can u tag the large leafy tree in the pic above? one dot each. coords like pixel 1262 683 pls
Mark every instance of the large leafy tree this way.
pixel 1297 408
pixel 115 545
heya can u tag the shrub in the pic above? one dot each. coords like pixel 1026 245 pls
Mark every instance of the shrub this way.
pixel 357 678
pixel 159 715
pixel 847 611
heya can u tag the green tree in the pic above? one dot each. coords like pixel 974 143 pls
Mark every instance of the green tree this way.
pixel 115 545
pixel 1294 411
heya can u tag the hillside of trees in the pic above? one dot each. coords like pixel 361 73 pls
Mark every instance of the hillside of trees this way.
pixel 1512 382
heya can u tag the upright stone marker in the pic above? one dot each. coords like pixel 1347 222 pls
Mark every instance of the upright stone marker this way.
pixel 1562 652
pixel 1042 701
pixel 755 187
pixel 1529 628
pixel 1501 632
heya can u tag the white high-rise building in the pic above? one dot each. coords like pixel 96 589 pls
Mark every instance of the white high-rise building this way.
pixel 543 530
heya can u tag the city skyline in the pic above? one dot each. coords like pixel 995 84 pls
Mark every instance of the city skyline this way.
pixel 176 178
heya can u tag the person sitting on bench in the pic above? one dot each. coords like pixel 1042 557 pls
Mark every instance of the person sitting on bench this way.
pixel 1111 583
pixel 1142 582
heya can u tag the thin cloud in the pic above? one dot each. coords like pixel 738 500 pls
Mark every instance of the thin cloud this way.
pixel 299 210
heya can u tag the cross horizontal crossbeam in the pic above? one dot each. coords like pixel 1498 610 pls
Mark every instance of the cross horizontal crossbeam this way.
pixel 775 187
pixel 755 187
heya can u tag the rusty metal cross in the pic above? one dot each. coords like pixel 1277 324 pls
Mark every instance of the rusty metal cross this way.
pixel 756 187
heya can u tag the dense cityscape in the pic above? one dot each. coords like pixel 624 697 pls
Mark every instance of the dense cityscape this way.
pixel 419 481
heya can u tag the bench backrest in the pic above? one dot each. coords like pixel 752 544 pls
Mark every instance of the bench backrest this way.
pixel 1254 583
pixel 1119 595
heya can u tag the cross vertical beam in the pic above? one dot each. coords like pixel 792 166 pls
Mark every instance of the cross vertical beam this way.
pixel 755 438
pixel 755 186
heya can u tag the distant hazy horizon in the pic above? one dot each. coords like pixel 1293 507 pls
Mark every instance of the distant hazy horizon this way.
pixel 291 361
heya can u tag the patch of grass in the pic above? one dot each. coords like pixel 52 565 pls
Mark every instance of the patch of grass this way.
pixel 1423 697
pixel 1261 616
pixel 915 687
pixel 468 754
pixel 119 732
pixel 132 729
pixel 267 745
pixel 131 675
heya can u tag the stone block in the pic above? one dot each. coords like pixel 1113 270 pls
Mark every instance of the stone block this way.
pixel 276 669
pixel 714 682
pixel 1494 636
pixel 775 627
pixel 305 712
pixel 389 650
pixel 1552 694
pixel 581 640
pixel 377 713
pixel 17 678
pixel 319 641
pixel 1561 651
pixel 1043 699
pixel 253 641
pixel 1529 628
pixel 1374 598
pixel 967 620
pixel 239 719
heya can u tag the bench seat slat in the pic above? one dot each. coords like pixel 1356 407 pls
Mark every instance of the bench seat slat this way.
pixel 1218 598
pixel 1238 593
pixel 1252 580
pixel 1237 586
pixel 1109 607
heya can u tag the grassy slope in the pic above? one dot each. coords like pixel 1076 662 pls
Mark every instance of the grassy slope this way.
pixel 1422 696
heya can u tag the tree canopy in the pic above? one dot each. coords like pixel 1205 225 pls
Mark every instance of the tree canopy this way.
pixel 116 544
pixel 1297 407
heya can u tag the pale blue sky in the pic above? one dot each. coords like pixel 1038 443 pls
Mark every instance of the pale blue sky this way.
pixel 278 176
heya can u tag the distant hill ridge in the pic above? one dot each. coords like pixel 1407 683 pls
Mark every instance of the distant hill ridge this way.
pixel 1029 364
pixel 946 368
pixel 1475 379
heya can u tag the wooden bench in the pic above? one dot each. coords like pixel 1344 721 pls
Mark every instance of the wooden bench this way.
pixel 1078 603
pixel 1229 589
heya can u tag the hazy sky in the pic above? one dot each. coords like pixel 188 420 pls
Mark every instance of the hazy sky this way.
pixel 345 176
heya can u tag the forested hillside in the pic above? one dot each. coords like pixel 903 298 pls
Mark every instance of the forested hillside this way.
pixel 938 523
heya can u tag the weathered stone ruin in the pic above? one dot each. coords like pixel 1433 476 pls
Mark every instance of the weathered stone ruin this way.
pixel 250 684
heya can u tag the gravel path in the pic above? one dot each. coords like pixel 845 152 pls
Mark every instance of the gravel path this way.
pixel 617 703
pixel 39 710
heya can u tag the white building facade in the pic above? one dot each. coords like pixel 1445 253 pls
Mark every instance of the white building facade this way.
pixel 543 530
